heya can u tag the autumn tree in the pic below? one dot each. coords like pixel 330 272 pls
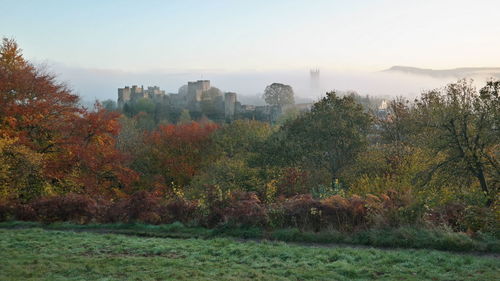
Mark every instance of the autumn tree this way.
pixel 177 152
pixel 21 172
pixel 76 147
pixel 234 146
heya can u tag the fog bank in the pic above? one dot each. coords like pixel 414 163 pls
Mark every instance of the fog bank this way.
pixel 102 84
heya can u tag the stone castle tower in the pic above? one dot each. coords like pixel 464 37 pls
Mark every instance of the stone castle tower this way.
pixel 196 89
pixel 229 104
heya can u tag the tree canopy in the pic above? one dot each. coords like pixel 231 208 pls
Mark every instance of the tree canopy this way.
pixel 279 94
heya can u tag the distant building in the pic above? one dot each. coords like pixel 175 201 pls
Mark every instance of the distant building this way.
pixel 201 99
pixel 229 104
pixel 314 82
pixel 134 93
pixel 195 90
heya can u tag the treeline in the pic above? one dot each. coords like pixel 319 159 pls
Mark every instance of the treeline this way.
pixel 433 161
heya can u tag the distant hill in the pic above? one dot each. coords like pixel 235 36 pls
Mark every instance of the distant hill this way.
pixel 461 72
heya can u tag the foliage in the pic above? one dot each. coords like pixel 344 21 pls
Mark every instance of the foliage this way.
pixel 342 167
pixel 177 152
pixel 245 208
pixel 278 94
pixel 463 124
pixel 74 146
pixel 329 136
pixel 21 172
pixel 69 207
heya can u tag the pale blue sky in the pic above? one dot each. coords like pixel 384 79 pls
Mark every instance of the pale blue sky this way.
pixel 255 35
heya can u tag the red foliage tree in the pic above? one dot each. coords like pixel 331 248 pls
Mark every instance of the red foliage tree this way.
pixel 78 146
pixel 178 151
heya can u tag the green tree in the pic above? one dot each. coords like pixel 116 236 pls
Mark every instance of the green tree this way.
pixel 185 117
pixel 240 137
pixel 278 94
pixel 464 125
pixel 330 136
pixel 109 105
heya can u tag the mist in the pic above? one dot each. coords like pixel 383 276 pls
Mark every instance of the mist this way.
pixel 91 84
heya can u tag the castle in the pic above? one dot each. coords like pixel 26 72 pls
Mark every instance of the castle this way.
pixel 195 96
pixel 134 93
pixel 199 98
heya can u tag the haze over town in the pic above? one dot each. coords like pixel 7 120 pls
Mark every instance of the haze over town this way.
pixel 249 140
pixel 242 47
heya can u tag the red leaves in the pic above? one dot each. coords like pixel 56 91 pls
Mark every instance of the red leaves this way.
pixel 180 150
pixel 77 146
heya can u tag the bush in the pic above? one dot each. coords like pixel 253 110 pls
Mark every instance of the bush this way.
pixel 180 210
pixel 448 214
pixel 142 206
pixel 245 208
pixel 484 219
pixel 70 207
pixel 115 211
pixel 5 211
pixel 302 211
pixel 394 209
pixel 343 213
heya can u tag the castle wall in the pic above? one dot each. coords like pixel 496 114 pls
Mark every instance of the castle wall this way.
pixel 123 96
pixel 196 89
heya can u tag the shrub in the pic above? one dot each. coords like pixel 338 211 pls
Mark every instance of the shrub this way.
pixel 214 203
pixel 343 213
pixel 393 209
pixel 24 212
pixel 484 219
pixel 276 215
pixel 302 211
pixel 69 207
pixel 142 206
pixel 180 210
pixel 5 211
pixel 448 214
pixel 115 211
pixel 245 208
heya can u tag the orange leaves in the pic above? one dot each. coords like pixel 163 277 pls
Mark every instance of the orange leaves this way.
pixel 77 146
pixel 178 151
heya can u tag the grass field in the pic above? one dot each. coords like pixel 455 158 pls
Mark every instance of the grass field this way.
pixel 403 237
pixel 38 254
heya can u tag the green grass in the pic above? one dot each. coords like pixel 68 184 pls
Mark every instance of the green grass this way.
pixel 39 254
pixel 404 237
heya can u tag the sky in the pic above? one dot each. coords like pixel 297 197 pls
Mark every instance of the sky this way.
pixel 193 39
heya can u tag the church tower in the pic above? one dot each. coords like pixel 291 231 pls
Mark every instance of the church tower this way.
pixel 315 85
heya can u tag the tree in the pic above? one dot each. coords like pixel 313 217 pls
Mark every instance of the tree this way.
pixel 240 138
pixel 464 125
pixel 109 105
pixel 397 126
pixel 330 136
pixel 177 152
pixel 184 117
pixel 76 147
pixel 278 94
pixel 34 108
pixel 21 172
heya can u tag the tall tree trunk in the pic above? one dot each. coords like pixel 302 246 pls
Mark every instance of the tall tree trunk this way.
pixel 484 185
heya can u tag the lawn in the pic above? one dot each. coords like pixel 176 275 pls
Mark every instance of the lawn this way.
pixel 38 254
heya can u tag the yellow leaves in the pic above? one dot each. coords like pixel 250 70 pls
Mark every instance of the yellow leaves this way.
pixel 20 171
pixel 271 190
